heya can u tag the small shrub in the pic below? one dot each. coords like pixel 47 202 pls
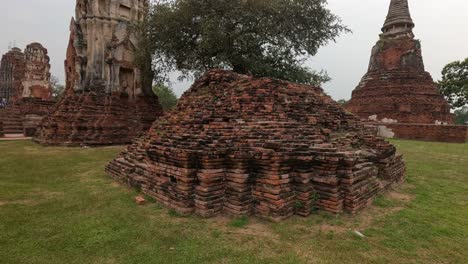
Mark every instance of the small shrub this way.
pixel 315 199
pixel 298 205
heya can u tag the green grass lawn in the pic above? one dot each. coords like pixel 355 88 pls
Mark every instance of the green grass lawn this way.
pixel 58 206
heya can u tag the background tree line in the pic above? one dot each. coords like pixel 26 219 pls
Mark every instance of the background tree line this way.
pixel 454 87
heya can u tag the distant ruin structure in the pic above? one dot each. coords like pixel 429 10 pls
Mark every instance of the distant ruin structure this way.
pixel 396 88
pixel 25 87
pixel 242 145
pixel 107 99
pixel 12 68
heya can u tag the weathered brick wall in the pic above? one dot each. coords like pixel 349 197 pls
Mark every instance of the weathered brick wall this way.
pixel 429 132
pixel 91 119
pixel 23 115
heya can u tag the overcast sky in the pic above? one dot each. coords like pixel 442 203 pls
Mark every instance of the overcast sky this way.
pixel 442 27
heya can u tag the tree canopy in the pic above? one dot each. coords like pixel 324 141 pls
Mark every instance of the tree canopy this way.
pixel 454 83
pixel 461 116
pixel 167 97
pixel 265 38
pixel 57 87
pixel 342 101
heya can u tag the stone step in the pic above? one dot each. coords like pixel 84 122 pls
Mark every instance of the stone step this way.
pixel 12 127
pixel 13 132
pixel 12 118
pixel 12 122
pixel 11 137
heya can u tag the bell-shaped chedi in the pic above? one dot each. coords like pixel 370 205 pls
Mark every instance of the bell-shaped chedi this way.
pixel 106 100
pixel 25 89
pixel 396 86
pixel 243 145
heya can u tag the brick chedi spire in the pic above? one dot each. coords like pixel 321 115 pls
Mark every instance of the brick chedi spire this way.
pixel 396 86
pixel 398 18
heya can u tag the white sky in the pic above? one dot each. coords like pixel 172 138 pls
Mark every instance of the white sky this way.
pixel 442 27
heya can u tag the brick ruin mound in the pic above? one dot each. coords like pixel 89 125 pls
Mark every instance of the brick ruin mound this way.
pixel 89 119
pixel 242 145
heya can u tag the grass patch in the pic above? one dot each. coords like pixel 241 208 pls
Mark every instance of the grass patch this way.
pixel 174 213
pixel 384 202
pixel 239 222
pixel 58 206
pixel 149 199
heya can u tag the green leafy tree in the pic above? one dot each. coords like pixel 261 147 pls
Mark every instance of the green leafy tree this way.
pixel 461 116
pixel 265 38
pixel 144 53
pixel 167 97
pixel 342 101
pixel 57 87
pixel 454 83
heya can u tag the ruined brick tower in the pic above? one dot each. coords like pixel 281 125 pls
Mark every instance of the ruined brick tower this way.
pixel 396 86
pixel 25 75
pixel 106 100
pixel 25 85
pixel 36 82
pixel 11 73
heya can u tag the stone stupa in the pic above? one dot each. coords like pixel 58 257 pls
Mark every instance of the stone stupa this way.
pixel 242 145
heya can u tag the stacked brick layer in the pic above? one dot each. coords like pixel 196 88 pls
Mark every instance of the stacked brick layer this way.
pixel 91 119
pixel 241 145
pixel 397 87
pixel 428 132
